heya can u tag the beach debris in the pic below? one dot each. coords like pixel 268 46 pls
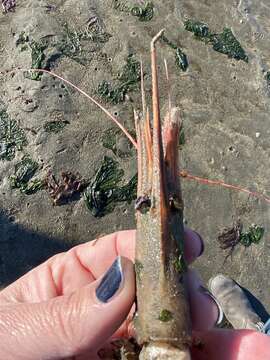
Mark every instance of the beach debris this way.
pixel 62 191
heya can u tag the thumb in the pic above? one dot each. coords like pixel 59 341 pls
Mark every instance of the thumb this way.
pixel 71 324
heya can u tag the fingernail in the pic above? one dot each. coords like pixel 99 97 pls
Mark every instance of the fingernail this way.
pixel 202 243
pixel 111 282
pixel 205 291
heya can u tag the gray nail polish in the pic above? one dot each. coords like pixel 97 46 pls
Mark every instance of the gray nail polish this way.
pixel 110 282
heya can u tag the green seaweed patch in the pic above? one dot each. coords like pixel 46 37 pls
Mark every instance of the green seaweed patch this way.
pixel 199 29
pixel 180 265
pixel 24 172
pixel 23 39
pixel 110 139
pixel 165 315
pixel 225 42
pixel 252 236
pixel 181 59
pixel 12 137
pixel 127 81
pixel 138 269
pixel 72 43
pixel 182 138
pixel 37 54
pixel 55 126
pixel 143 12
pixel 104 192
pixel 38 59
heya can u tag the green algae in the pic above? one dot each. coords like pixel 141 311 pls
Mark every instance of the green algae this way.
pixel 22 178
pixel 127 81
pixel 180 57
pixel 38 57
pixel 198 28
pixel 110 139
pixel 144 12
pixel 72 42
pixel 182 137
pixel 55 126
pixel 179 264
pixel 104 191
pixel 225 42
pixel 165 315
pixel 12 137
pixel 253 235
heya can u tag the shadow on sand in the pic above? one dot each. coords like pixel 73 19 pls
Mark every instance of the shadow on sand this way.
pixel 22 249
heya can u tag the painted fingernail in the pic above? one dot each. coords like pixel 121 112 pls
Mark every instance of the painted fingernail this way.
pixel 111 282
pixel 205 291
pixel 202 243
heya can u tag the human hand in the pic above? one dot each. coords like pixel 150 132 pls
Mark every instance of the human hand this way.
pixel 53 311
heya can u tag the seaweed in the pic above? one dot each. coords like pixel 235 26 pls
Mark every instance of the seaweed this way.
pixel 71 45
pixel 165 315
pixel 64 190
pixel 180 57
pixel 182 138
pixel 104 191
pixel 252 236
pixel 225 42
pixel 24 171
pixel 55 126
pixel 143 12
pixel 110 139
pixel 230 237
pixel 180 264
pixel 33 186
pixel 8 5
pixel 12 137
pixel 37 54
pixel 198 28
pixel 112 95
pixel 23 39
pixel 127 81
